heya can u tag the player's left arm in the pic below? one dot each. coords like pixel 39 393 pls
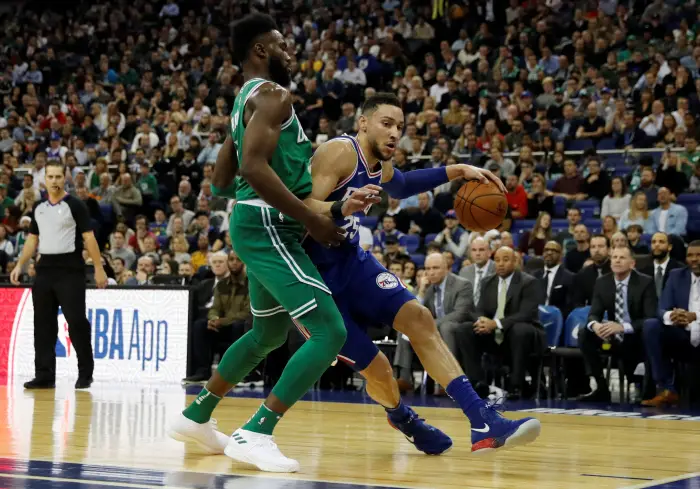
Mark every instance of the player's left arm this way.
pixel 225 169
pixel 403 185
pixel 332 162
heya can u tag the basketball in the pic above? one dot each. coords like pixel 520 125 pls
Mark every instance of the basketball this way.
pixel 480 206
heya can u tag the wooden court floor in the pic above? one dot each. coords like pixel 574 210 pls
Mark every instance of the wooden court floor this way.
pixel 124 426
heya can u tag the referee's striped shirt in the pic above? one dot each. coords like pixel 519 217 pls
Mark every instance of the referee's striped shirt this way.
pixel 60 228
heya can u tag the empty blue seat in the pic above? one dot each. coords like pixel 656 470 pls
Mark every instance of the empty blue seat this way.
pixel 589 208
pixel 606 143
pixel 579 144
pixel 552 322
pixel 550 184
pixel 560 223
pixel 106 210
pixel 412 242
pixel 418 259
pixel 577 319
pixel 162 241
pixel 559 206
pixel 523 224
pixel 688 199
pixel 369 222
pixel 621 171
pixel 592 223
pixel 429 238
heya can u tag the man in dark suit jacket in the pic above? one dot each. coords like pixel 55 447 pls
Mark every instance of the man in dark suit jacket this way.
pixel 507 322
pixel 585 279
pixel 629 298
pixel 675 332
pixel 449 299
pixel 662 265
pixel 555 280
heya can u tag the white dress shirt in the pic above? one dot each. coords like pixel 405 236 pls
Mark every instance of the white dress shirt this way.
pixel 693 306
pixel 502 282
pixel 662 265
pixel 663 218
pixel 550 279
pixel 626 321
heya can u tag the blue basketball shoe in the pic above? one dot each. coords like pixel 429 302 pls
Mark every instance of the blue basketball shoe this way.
pixel 428 439
pixel 499 432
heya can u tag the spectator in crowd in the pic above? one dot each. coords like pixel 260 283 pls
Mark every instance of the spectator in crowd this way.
pixel 127 198
pixel 634 239
pixel 453 238
pixel 228 315
pixel 449 300
pixel 675 333
pixel 617 201
pixel 597 184
pixel 539 199
pixel 517 197
pixel 120 250
pixel 556 281
pixel 388 229
pixel 662 264
pixel 647 185
pixel 669 218
pixel 481 266
pixel 629 299
pixel 507 320
pixel 426 220
pixel 637 213
pixel 145 270
pixel 599 247
pixel 178 211
pixel 532 242
pixel 609 227
pixel 571 184
pixel 566 237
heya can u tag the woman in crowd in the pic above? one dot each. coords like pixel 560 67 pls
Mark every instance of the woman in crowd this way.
pixel 609 227
pixel 617 201
pixel 532 242
pixel 539 199
pixel 638 212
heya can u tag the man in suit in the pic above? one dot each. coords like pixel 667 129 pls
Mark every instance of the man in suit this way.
pixel 207 326
pixel 585 280
pixel 668 217
pixel 507 322
pixel 449 299
pixel 629 298
pixel 556 281
pixel 662 263
pixel 481 267
pixel 675 333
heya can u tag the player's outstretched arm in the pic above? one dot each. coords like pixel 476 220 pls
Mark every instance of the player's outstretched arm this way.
pixel 271 107
pixel 333 162
pixel 402 185
pixel 225 169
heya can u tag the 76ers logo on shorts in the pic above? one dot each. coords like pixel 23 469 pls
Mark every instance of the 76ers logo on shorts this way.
pixel 386 280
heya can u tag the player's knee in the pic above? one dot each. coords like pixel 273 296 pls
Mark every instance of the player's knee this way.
pixel 326 325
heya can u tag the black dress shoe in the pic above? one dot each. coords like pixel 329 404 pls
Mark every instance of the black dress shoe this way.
pixel 597 395
pixel 40 384
pixel 83 383
pixel 197 378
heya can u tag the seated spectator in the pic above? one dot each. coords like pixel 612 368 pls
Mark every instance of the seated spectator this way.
pixel 599 247
pixel 186 271
pixel 670 173
pixel 392 251
pixel 618 239
pixel 637 213
pixel 609 227
pixel 180 248
pixel 647 177
pixel 629 299
pixel 449 300
pixel 159 225
pixel 675 333
pixel 426 219
pixel 566 237
pixel 653 123
pixel 167 267
pixel 517 197
pixel 631 135
pixel 557 282
pixel 592 126
pixel 509 327
pixel 147 184
pixel 571 185
pixel 662 265
pixel 668 218
pixel 453 238
pixel 506 165
pixel 617 201
pixel 201 256
pixel 228 316
pixel 178 210
pixel 388 229
pixel 532 242
pixel 136 241
pixel 634 238
pixel 127 198
pixel 149 247
pixel 145 270
pixel 539 199
pixel 120 250
pixel 121 272
pixel 597 184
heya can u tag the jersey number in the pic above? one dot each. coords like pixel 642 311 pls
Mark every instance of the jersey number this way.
pixel 350 226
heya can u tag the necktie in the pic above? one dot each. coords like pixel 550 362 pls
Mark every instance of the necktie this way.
pixel 659 280
pixel 438 303
pixel 477 286
pixel 620 304
pixel 695 326
pixel 546 286
pixel 501 307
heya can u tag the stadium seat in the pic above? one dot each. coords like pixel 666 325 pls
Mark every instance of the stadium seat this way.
pixel 605 144
pixel 412 242
pixel 560 224
pixel 429 238
pixel 593 223
pixel 162 241
pixel 107 212
pixel 522 225
pixel 552 322
pixel 550 184
pixel 577 319
pixel 369 222
pixel 418 259
pixel 559 206
pixel 589 208
pixel 579 144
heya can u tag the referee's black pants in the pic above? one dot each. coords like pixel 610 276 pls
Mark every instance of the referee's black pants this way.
pixel 52 288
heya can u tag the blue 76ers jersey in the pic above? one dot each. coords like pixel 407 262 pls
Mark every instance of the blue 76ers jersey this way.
pixel 323 257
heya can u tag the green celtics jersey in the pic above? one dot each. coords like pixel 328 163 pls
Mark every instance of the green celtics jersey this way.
pixel 292 156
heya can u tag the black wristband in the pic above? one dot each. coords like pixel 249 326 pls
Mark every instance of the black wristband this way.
pixel 337 210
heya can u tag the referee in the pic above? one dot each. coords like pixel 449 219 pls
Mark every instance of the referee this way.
pixel 60 226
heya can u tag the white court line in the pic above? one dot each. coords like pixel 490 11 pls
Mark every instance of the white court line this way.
pixel 88 481
pixel 659 482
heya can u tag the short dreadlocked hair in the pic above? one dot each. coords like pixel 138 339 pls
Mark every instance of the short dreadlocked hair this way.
pixel 246 32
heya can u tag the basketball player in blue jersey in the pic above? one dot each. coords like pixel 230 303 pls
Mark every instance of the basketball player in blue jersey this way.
pixel 367 293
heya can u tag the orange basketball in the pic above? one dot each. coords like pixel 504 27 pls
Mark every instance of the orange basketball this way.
pixel 480 206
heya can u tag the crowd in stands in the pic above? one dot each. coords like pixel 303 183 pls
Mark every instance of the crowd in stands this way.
pixel 134 97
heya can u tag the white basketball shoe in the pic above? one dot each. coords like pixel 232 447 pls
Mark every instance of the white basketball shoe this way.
pixel 259 450
pixel 205 434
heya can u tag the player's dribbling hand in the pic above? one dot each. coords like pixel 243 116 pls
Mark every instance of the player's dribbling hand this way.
pixel 14 276
pixel 100 278
pixel 324 230
pixel 469 172
pixel 361 198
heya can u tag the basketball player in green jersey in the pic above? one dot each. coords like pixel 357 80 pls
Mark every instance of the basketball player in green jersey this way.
pixel 270 218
